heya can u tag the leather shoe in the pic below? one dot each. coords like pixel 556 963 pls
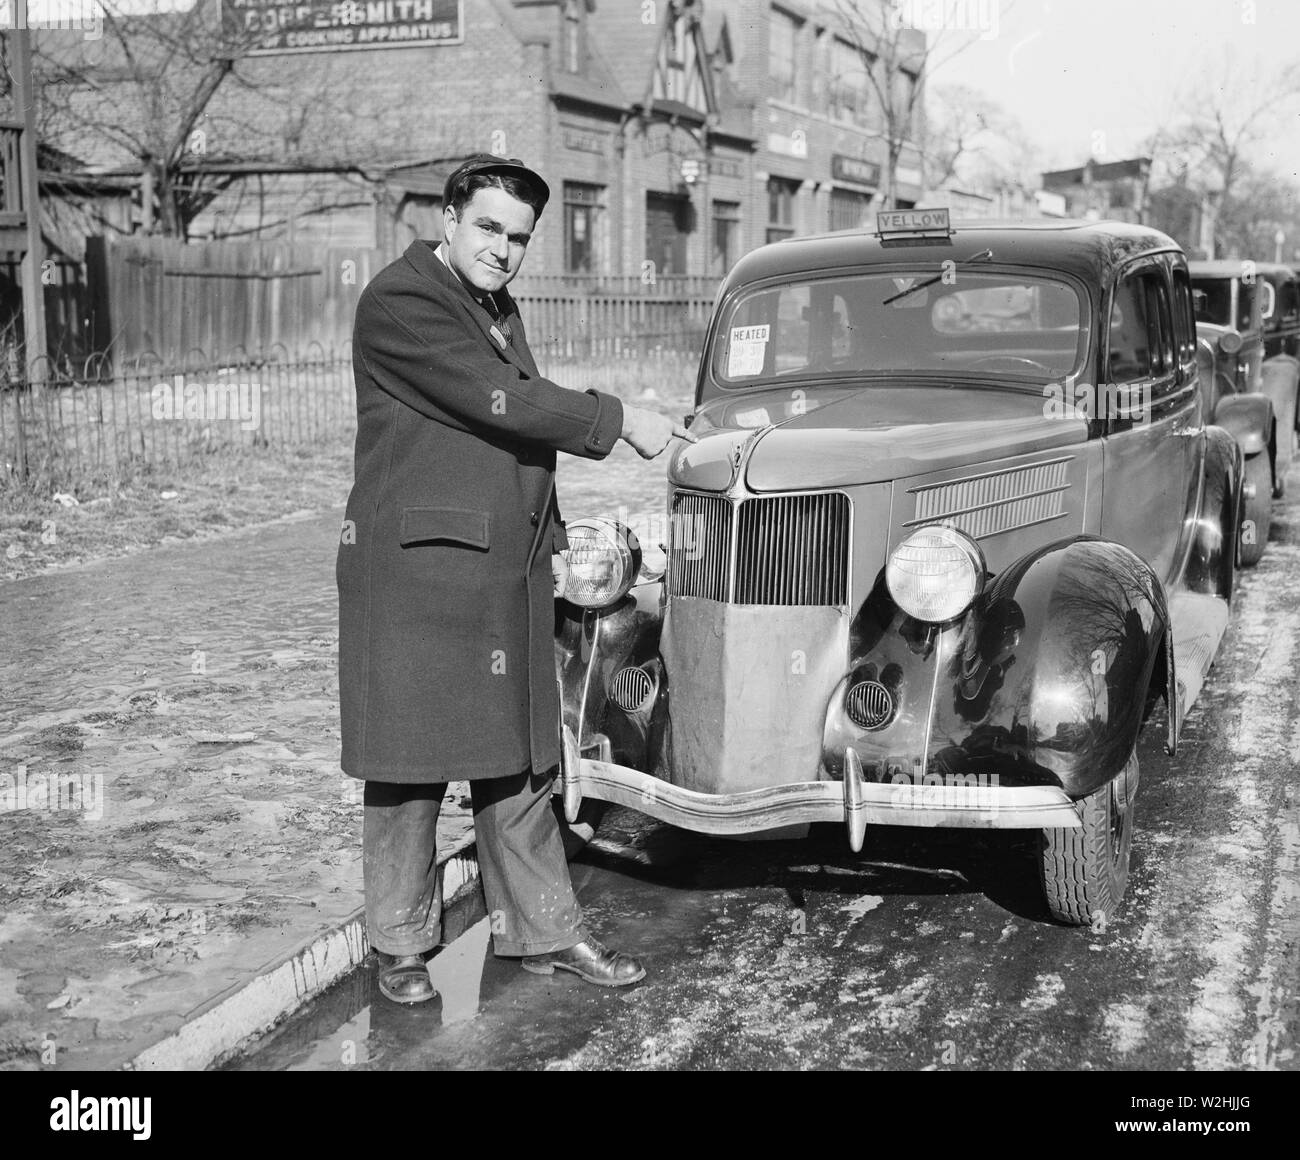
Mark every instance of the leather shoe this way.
pixel 405 979
pixel 589 960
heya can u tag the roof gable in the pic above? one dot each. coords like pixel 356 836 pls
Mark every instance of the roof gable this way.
pixel 658 50
pixel 682 75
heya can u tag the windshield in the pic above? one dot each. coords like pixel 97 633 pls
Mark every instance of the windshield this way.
pixel 964 323
pixel 1216 306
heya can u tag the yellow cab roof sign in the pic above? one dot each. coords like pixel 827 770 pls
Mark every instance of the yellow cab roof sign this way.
pixel 903 225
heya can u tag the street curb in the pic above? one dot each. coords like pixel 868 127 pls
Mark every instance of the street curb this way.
pixel 216 1029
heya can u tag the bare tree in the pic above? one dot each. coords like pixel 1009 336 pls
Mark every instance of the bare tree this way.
pixel 1264 204
pixel 961 121
pixel 171 94
pixel 140 92
pixel 1237 106
pixel 897 60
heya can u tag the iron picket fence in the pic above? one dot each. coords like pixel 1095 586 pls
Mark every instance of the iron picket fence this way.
pixel 113 417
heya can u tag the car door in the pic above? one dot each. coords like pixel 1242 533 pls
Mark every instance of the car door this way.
pixel 1153 422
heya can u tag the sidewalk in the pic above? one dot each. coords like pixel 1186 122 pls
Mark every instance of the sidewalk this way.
pixel 180 855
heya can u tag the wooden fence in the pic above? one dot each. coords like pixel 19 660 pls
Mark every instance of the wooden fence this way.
pixel 158 297
pixel 161 298
pixel 67 309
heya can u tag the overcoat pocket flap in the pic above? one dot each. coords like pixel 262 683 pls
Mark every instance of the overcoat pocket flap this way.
pixel 424 525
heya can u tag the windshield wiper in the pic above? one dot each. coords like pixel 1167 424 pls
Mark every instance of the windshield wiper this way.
pixel 982 256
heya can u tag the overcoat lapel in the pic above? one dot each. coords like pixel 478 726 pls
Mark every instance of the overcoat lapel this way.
pixel 424 259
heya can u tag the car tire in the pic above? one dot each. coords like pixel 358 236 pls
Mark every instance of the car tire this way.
pixel 1257 510
pixel 1085 870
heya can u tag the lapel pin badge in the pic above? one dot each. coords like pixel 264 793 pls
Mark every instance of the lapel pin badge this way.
pixel 498 336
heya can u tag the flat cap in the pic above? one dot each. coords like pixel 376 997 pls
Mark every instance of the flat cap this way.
pixel 505 166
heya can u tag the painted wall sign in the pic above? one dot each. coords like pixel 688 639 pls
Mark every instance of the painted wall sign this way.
pixel 855 169
pixel 273 29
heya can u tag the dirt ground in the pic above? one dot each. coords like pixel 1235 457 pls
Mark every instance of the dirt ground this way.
pixel 172 814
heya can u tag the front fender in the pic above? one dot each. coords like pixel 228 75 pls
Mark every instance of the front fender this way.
pixel 591 646
pixel 1249 419
pixel 1279 381
pixel 1054 664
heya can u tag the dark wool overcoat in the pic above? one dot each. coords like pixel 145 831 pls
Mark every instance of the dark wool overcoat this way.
pixel 446 606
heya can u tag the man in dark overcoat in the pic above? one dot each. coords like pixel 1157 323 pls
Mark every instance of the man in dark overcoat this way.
pixel 446 592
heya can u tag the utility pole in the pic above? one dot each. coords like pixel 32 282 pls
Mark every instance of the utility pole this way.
pixel 25 100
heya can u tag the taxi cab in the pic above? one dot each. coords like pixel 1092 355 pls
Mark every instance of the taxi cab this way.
pixel 956 522
pixel 1247 323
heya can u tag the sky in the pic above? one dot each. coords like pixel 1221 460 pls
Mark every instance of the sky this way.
pixel 1084 77
pixel 1110 72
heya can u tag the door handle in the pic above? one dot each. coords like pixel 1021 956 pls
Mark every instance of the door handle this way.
pixel 1187 432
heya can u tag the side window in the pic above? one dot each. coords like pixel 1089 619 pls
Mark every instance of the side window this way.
pixel 1130 340
pixel 1158 310
pixel 1184 319
pixel 1141 329
pixel 1289 302
pixel 1246 299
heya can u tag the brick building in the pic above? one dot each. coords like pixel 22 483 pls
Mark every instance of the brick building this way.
pixel 675 132
pixel 1116 190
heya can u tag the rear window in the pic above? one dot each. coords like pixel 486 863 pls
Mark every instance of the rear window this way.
pixel 965 323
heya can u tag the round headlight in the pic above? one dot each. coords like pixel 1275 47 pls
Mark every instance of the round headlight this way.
pixel 1230 342
pixel 935 573
pixel 604 558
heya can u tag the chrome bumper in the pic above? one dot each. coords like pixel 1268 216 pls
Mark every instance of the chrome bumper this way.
pixel 853 802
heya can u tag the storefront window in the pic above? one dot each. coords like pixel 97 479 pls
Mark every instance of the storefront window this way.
pixel 582 211
pixel 668 223
pixel 780 208
pixel 848 209
pixel 848 84
pixel 726 235
pixel 783 55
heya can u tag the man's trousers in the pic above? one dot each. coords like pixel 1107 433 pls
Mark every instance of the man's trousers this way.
pixel 530 901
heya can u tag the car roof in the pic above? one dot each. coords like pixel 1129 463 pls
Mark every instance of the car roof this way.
pixel 1215 268
pixel 1235 267
pixel 1275 269
pixel 1087 249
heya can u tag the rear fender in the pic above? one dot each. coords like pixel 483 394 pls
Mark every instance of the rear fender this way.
pixel 1210 564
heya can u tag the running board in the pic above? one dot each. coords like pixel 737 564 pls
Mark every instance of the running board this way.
pixel 1199 624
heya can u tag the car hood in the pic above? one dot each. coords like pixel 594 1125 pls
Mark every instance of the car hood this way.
pixel 796 440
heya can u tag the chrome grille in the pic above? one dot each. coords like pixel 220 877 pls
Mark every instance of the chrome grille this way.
pixel 790 549
pixel 699 546
pixel 1001 501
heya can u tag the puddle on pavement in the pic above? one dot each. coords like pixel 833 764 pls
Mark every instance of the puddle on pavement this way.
pixel 653 891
